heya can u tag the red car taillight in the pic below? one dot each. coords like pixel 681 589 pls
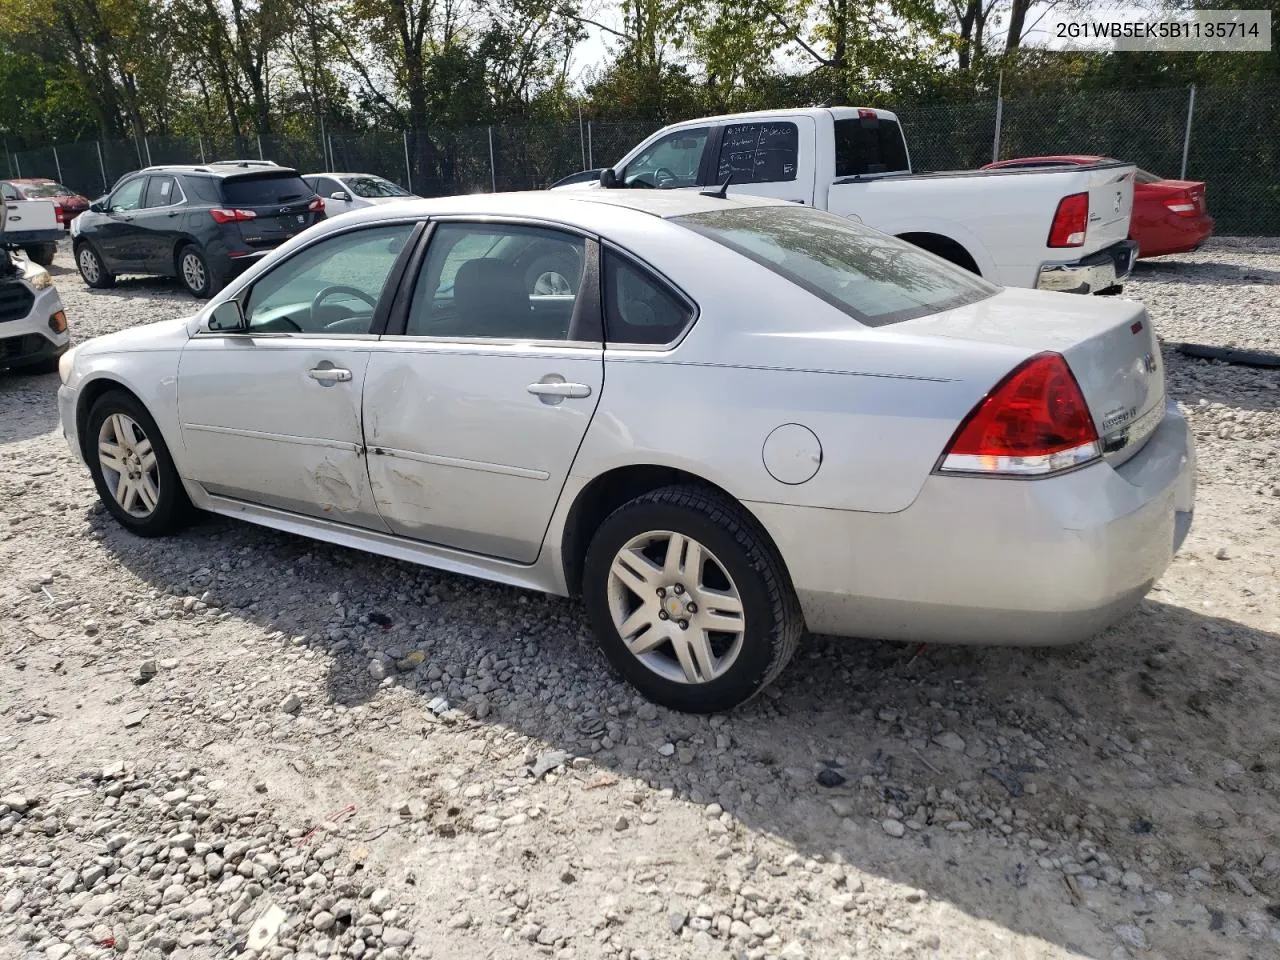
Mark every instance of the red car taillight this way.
pixel 1070 221
pixel 223 215
pixel 316 205
pixel 1033 422
pixel 1184 204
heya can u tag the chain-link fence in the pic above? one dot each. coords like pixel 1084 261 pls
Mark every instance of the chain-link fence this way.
pixel 1227 137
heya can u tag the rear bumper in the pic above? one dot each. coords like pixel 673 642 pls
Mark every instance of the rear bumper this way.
pixel 985 561
pixel 1092 274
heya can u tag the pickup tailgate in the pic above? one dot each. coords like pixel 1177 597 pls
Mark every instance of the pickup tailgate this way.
pixel 1110 204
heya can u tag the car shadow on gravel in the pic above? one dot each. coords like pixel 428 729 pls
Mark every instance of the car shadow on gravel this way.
pixel 28 405
pixel 1144 744
pixel 1203 271
pixel 129 287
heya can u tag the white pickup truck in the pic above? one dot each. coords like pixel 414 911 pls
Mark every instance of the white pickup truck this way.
pixel 1055 228
pixel 32 225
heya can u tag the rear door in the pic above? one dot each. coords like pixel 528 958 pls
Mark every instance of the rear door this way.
pixel 158 223
pixel 280 203
pixel 768 157
pixel 476 404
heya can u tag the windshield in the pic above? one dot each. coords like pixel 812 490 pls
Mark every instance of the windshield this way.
pixel 873 277
pixel 263 189
pixel 41 191
pixel 374 187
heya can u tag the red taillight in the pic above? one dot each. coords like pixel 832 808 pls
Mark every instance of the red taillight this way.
pixel 1183 204
pixel 316 205
pixel 225 215
pixel 1070 221
pixel 1033 422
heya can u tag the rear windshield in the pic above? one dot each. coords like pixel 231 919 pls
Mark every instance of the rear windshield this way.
pixel 873 277
pixel 869 146
pixel 39 191
pixel 261 190
pixel 372 187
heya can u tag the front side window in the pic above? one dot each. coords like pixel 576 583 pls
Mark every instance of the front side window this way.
pixel 373 187
pixel 498 281
pixel 638 307
pixel 162 192
pixel 868 145
pixel 874 278
pixel 129 196
pixel 673 161
pixel 331 287
pixel 759 152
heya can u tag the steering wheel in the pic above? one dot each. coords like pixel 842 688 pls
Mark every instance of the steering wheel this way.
pixel 326 292
pixel 663 175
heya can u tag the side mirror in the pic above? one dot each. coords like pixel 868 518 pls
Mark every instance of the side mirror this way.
pixel 340 195
pixel 226 316
pixel 99 205
pixel 608 179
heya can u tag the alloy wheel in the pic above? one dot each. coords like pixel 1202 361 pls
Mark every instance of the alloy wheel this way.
pixel 129 465
pixel 193 272
pixel 89 265
pixel 675 607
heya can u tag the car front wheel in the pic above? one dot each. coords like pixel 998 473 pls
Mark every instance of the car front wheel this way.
pixel 689 600
pixel 92 270
pixel 131 467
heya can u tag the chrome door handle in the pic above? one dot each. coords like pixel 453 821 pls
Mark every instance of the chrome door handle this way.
pixel 559 388
pixel 330 374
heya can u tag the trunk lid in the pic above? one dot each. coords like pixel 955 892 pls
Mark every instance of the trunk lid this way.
pixel 1110 188
pixel 1110 346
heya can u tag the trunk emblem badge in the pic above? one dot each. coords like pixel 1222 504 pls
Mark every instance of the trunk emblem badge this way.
pixel 1119 200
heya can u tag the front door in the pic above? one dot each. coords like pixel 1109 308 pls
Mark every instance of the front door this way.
pixel 118 237
pixel 271 413
pixel 474 409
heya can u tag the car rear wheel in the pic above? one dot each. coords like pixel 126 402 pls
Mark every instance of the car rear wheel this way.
pixel 132 468
pixel 92 270
pixel 689 600
pixel 194 272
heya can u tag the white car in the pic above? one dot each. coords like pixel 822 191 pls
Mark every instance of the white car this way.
pixel 342 192
pixel 33 324
pixel 728 420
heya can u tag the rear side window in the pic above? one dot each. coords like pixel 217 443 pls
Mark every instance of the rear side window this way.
pixel 261 190
pixel 759 152
pixel 638 307
pixel 874 278
pixel 161 192
pixel 869 146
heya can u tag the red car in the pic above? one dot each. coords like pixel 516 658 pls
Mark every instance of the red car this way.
pixel 67 203
pixel 1169 216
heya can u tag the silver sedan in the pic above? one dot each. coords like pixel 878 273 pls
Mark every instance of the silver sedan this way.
pixel 717 421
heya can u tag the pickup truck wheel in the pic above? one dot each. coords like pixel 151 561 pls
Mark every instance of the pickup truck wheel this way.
pixel 42 253
pixel 131 467
pixel 689 600
pixel 92 270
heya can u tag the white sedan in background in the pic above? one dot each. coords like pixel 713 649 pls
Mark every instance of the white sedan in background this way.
pixel 342 192
pixel 718 421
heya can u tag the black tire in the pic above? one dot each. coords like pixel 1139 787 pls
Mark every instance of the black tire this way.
pixel 42 253
pixel 93 270
pixel 172 508
pixel 773 620
pixel 194 272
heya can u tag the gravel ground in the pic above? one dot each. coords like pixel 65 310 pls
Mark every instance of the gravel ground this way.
pixel 238 743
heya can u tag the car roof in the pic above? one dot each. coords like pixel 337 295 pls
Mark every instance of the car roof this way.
pixel 1080 158
pixel 29 180
pixel 607 213
pixel 215 169
pixel 339 176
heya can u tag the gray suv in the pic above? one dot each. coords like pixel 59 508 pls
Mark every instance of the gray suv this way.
pixel 202 224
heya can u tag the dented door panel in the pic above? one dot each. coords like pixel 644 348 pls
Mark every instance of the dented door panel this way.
pixel 262 421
